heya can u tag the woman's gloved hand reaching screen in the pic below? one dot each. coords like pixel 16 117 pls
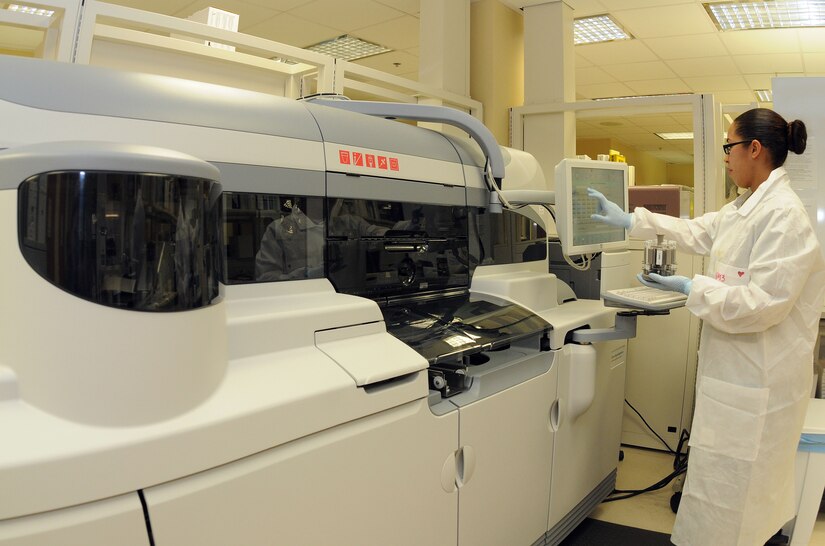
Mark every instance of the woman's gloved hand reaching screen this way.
pixel 609 212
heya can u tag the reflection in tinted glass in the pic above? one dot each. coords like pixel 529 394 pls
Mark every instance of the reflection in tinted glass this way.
pixel 508 237
pixel 273 237
pixel 134 241
pixel 381 249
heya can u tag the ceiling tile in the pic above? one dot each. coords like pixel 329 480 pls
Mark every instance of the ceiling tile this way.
pixel 684 47
pixel 410 7
pixel 581 62
pixel 639 71
pixel 172 7
pixel 583 8
pixel 604 90
pixel 709 66
pixel 778 63
pixel 811 40
pixel 399 33
pixel 676 20
pixel 750 42
pixel 592 74
pixel 248 14
pixel 386 63
pixel 759 81
pixel 350 15
pixel 280 5
pixel 288 29
pixel 702 84
pixel 614 5
pixel 626 51
pixel 671 86
pixel 814 62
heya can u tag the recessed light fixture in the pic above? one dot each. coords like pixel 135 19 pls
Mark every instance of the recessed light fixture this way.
pixel 675 136
pixel 31 10
pixel 596 29
pixel 348 48
pixel 764 95
pixel 777 14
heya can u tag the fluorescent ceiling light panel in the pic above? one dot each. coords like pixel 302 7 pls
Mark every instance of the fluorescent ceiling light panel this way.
pixel 31 10
pixel 675 136
pixel 764 95
pixel 348 48
pixel 768 14
pixel 598 28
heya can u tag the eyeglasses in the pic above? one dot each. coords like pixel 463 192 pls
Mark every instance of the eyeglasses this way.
pixel 726 147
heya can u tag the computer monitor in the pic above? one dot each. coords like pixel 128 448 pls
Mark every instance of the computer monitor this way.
pixel 578 233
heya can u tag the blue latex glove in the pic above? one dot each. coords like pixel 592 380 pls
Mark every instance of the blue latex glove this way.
pixel 674 283
pixel 609 212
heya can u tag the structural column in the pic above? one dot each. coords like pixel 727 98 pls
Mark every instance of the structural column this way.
pixel 497 63
pixel 549 77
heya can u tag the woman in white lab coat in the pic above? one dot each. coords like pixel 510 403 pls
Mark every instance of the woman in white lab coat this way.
pixel 760 303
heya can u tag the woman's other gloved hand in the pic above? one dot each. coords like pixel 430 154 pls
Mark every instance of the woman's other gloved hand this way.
pixel 674 283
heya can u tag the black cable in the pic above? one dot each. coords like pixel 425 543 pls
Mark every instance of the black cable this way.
pixel 150 535
pixel 670 450
pixel 680 463
pixel 626 494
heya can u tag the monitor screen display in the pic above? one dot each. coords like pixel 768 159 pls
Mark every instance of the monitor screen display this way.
pixel 578 232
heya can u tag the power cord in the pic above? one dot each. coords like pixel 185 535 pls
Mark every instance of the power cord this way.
pixel 680 463
pixel 669 449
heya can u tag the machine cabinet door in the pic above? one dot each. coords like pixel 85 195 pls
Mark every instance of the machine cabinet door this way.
pixel 373 481
pixel 506 499
pixel 118 520
pixel 587 443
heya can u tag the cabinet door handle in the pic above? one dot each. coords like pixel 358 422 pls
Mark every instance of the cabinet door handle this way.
pixel 555 415
pixel 449 473
pixel 465 465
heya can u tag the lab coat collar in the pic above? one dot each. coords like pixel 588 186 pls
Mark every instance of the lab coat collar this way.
pixel 748 201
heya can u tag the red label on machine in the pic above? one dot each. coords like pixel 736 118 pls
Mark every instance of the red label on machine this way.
pixel 370 161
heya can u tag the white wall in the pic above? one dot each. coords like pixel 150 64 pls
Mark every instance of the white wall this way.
pixel 801 98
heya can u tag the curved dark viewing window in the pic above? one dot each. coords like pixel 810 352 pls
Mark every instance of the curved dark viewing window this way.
pixel 146 242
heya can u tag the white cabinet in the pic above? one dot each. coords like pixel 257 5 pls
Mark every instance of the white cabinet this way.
pixel 587 441
pixel 374 481
pixel 505 501
pixel 117 520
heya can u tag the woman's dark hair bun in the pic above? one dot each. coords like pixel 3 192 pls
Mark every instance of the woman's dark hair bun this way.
pixel 797 136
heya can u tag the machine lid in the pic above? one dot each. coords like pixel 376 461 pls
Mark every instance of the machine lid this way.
pixel 446 328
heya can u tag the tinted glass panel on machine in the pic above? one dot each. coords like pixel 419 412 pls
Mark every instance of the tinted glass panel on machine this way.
pixel 146 242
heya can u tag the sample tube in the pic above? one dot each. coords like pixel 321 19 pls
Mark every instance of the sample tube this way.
pixel 659 258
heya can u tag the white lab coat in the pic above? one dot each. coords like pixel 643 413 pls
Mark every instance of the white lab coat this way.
pixel 760 303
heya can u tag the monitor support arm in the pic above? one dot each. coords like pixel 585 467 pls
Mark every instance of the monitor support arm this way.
pixel 624 328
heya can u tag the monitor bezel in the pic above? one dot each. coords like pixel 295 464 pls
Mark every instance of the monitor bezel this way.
pixel 564 199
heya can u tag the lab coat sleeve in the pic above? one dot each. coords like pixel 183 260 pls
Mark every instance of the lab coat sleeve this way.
pixel 781 260
pixel 269 262
pixel 691 235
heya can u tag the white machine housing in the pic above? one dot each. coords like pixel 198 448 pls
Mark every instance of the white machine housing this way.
pixel 283 410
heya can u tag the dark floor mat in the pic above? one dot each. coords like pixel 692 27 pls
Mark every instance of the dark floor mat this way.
pixel 592 532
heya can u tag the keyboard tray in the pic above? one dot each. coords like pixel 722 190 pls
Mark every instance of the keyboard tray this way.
pixel 643 297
